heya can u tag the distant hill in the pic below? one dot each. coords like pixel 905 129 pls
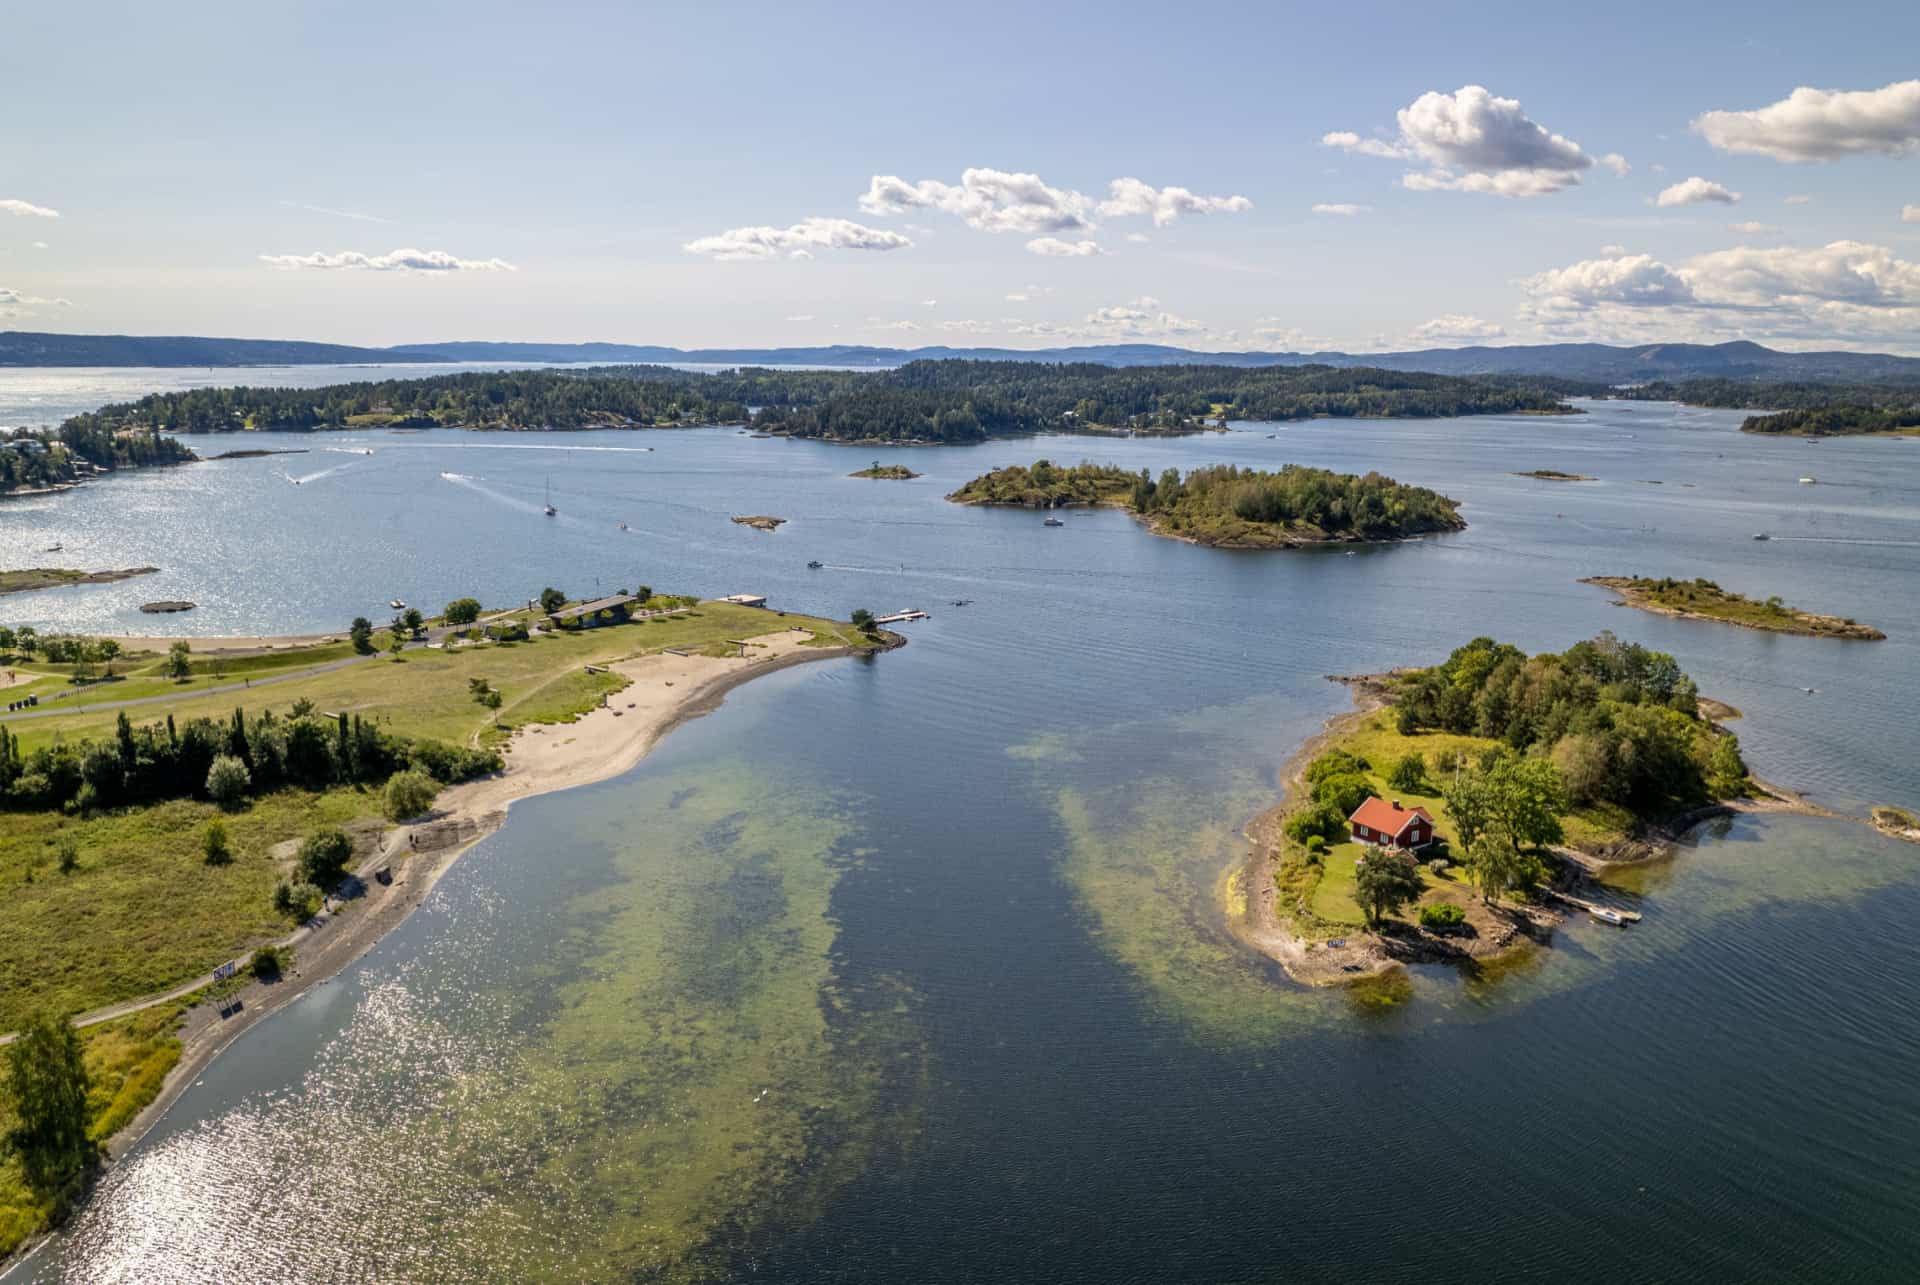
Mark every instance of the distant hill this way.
pixel 1599 363
pixel 26 348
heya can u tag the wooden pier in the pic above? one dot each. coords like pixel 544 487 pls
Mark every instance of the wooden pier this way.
pixel 900 616
pixel 1630 916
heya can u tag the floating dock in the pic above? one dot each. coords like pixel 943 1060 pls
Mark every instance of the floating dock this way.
pixel 900 616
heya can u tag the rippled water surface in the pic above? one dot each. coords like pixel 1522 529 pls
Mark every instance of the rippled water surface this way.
pixel 911 969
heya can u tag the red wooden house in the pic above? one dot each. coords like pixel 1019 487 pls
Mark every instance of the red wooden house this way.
pixel 1390 825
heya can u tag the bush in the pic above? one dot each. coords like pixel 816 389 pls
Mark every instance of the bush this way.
pixel 1316 844
pixel 228 782
pixel 450 764
pixel 1343 792
pixel 1336 763
pixel 213 843
pixel 266 963
pixel 408 794
pixel 463 611
pixel 1442 914
pixel 69 857
pixel 297 900
pixel 1320 821
pixel 1410 773
pixel 323 857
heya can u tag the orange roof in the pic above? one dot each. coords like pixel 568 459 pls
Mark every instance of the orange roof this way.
pixel 1387 818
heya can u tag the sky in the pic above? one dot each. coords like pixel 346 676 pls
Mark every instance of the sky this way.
pixel 1221 177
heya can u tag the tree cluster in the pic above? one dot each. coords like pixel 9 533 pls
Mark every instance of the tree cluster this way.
pixel 1226 504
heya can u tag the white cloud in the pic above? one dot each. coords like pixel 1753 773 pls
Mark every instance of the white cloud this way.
pixel 929 303
pixel 801 316
pixel 1822 124
pixel 1910 214
pixel 1847 290
pixel 1455 327
pixel 795 254
pixel 1696 191
pixel 989 200
pixel 1472 141
pixel 736 244
pixel 1343 208
pixel 338 214
pixel 1613 251
pixel 1752 227
pixel 1617 163
pixel 1290 338
pixel 39 245
pixel 1027 294
pixel 900 325
pixel 968 327
pixel 405 260
pixel 1131 197
pixel 1054 247
pixel 1347 140
pixel 13 303
pixel 1141 319
pixel 12 206
pixel 1798 198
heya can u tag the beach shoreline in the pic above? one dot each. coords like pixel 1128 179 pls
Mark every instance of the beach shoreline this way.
pixel 540 759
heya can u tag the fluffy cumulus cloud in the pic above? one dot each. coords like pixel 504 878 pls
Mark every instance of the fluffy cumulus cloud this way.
pixel 1455 328
pixel 1163 205
pixel 1822 124
pixel 797 241
pixel 1844 291
pixel 1696 191
pixel 1617 163
pixel 1471 141
pixel 1343 209
pixel 990 200
pixel 11 205
pixel 1143 318
pixel 1271 333
pixel 1910 214
pixel 1053 247
pixel 405 260
pixel 1752 227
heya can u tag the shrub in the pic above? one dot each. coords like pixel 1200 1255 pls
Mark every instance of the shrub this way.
pixel 449 764
pixel 298 900
pixel 1410 773
pixel 408 794
pixel 1329 825
pixel 1335 763
pixel 463 611
pixel 1442 914
pixel 266 963
pixel 69 857
pixel 228 781
pixel 1343 792
pixel 213 843
pixel 1316 844
pixel 323 857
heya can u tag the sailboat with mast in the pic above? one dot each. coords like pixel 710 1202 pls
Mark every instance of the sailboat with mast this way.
pixel 549 495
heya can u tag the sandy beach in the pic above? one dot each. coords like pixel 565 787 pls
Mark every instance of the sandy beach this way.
pixel 666 690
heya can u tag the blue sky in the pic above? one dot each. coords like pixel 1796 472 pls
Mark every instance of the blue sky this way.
pixel 406 172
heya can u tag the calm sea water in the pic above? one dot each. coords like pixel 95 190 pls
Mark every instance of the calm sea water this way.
pixel 912 969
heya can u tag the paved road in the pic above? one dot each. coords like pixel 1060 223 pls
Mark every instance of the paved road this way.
pixel 52 711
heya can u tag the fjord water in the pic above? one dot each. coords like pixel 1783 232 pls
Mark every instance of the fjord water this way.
pixel 913 968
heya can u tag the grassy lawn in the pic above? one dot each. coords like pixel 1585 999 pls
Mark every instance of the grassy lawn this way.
pixel 425 692
pixel 143 910
pixel 127 1060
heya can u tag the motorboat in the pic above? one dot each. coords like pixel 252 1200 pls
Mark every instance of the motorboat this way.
pixel 1808 480
pixel 398 604
pixel 1761 535
pixel 1607 915
pixel 815 565
pixel 1053 521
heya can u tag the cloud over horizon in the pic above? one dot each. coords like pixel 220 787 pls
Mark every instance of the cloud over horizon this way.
pixel 12 205
pixel 798 240
pixel 1696 191
pixel 403 260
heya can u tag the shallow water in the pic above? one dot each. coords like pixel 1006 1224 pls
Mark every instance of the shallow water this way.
pixel 953 911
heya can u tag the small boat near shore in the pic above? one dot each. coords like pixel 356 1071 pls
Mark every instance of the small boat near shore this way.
pixel 1607 915
pixel 1761 535
pixel 398 604
pixel 815 565
pixel 1053 521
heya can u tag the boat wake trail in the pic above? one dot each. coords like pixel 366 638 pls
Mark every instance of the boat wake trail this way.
pixel 304 478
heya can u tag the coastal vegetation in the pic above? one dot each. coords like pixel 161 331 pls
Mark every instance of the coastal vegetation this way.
pixel 1047 486
pixel 893 472
pixel 922 401
pixel 1700 599
pixel 759 521
pixel 31 578
pixel 1801 408
pixel 1555 475
pixel 81 448
pixel 1839 421
pixel 1512 756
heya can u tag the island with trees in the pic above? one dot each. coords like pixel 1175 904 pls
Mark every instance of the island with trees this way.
pixel 1699 599
pixel 1532 772
pixel 922 401
pixel 886 472
pixel 1228 507
pixel 1803 408
pixel 1555 475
